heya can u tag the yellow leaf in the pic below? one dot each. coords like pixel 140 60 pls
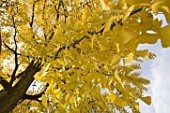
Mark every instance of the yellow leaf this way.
pixel 148 38
pixel 165 36
pixel 42 72
pixel 129 58
pixel 132 45
pixel 61 62
pixel 115 99
pixel 146 99
pixel 107 1
pixel 104 5
pixel 128 13
pixel 121 102
pixel 57 94
pixel 108 24
pixel 54 99
pixel 117 77
pixel 49 89
pixel 84 16
pixel 143 53
pixel 166 12
pixel 1 87
pixel 71 100
pixel 123 37
pixel 44 100
pixel 155 7
pixel 136 105
pixel 112 97
pixel 115 60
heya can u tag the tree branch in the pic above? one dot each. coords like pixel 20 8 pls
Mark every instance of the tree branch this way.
pixel 57 9
pixel 16 93
pixel 33 97
pixel 9 47
pixel 114 24
pixel 71 45
pixel 15 52
pixel 4 83
pixel 32 17
pixel 36 96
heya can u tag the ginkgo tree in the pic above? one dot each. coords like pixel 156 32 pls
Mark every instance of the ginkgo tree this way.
pixel 84 53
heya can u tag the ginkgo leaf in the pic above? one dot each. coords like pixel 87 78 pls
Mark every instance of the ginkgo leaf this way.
pixel 118 77
pixel 44 100
pixel 123 37
pixel 86 47
pixel 104 5
pixel 115 60
pixel 128 13
pixel 57 93
pixel 155 7
pixel 132 45
pixel 61 62
pixel 129 58
pixel 108 24
pixel 54 99
pixel 166 11
pixel 146 99
pixel 115 99
pixel 71 100
pixel 42 73
pixel 112 98
pixel 148 38
pixel 136 106
pixel 49 89
pixel 144 54
pixel 165 36
pixel 84 16
pixel 107 1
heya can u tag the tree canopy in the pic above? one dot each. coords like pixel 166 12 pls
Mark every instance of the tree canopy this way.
pixel 84 53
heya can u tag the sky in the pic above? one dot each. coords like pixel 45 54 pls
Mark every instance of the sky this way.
pixel 158 72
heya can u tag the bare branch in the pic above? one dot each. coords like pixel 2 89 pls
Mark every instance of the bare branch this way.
pixel 33 97
pixel 9 47
pixel 33 15
pixel 4 83
pixel 15 53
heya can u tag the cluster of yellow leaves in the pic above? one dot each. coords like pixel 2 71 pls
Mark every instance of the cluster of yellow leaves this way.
pixel 87 47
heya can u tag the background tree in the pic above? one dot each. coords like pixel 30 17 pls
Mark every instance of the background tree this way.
pixel 84 53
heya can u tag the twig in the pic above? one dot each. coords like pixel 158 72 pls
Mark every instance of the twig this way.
pixel 71 45
pixel 32 17
pixel 114 24
pixel 15 53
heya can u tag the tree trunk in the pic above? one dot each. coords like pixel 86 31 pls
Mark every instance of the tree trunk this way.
pixel 10 98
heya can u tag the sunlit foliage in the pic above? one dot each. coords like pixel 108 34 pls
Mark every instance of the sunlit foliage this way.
pixel 88 50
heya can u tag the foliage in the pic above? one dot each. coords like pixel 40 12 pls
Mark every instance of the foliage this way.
pixel 87 48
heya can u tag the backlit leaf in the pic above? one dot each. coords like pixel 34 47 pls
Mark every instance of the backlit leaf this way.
pixel 146 99
pixel 44 100
pixel 165 36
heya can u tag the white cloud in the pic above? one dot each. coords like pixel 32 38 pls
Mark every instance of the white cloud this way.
pixel 161 79
pixel 157 72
